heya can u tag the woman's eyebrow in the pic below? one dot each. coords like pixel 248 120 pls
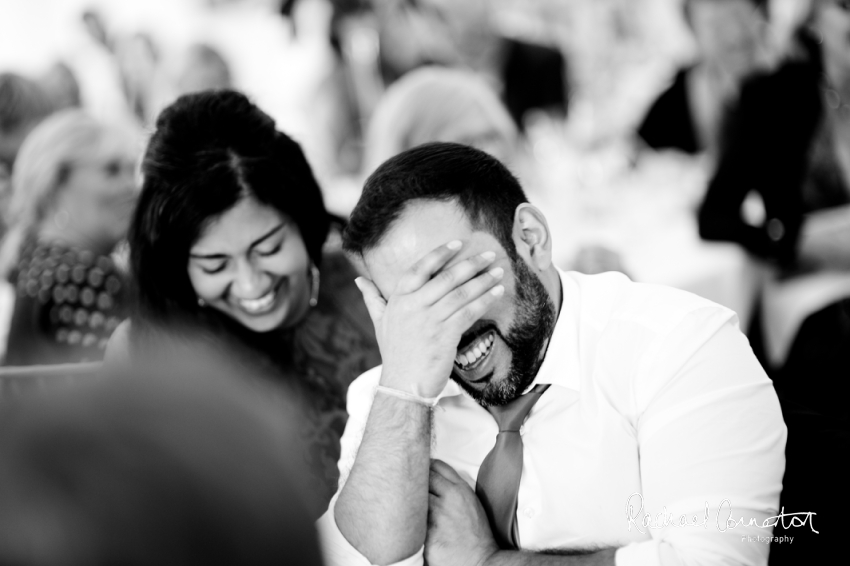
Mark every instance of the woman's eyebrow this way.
pixel 253 244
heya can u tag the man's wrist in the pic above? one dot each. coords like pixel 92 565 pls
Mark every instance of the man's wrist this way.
pixel 412 386
pixel 405 396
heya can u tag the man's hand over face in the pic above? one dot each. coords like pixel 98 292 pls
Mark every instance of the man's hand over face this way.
pixel 420 325
pixel 458 532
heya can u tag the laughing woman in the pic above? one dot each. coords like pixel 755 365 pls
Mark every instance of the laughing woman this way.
pixel 228 239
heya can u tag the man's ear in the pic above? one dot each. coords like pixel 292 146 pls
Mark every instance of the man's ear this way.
pixel 532 236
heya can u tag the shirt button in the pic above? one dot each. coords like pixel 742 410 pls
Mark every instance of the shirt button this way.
pixel 529 512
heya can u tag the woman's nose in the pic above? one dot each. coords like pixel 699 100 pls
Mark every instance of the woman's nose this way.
pixel 250 281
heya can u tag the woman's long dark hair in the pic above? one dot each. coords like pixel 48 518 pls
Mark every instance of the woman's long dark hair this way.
pixel 210 150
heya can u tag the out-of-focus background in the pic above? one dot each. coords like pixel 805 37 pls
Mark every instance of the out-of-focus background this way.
pixel 320 68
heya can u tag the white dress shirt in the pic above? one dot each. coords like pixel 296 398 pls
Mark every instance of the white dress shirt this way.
pixel 656 399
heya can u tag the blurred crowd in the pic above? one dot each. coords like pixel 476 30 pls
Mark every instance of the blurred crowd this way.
pixel 158 162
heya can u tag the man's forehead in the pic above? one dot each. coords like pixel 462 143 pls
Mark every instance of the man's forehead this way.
pixel 419 230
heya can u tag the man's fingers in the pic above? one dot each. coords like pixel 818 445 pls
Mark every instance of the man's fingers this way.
pixel 433 509
pixel 446 471
pixel 422 271
pixel 466 316
pixel 451 280
pixel 468 292
pixel 375 303
pixel 437 484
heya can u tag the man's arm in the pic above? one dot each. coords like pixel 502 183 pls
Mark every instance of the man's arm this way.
pixel 383 506
pixel 459 534
pixel 711 436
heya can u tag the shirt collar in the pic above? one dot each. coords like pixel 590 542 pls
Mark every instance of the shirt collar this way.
pixel 561 365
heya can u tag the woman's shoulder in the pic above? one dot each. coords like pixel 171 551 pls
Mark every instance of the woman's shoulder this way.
pixel 119 344
pixel 339 295
pixel 339 331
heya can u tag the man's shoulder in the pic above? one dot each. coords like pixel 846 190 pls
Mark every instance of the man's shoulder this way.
pixel 613 297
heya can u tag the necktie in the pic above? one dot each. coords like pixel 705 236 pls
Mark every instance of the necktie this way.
pixel 498 478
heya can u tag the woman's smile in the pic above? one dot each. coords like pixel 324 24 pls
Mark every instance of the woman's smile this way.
pixel 264 303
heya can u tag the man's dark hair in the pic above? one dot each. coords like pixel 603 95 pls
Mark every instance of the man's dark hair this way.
pixel 483 188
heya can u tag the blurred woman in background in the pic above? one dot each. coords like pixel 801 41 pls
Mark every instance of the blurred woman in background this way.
pixel 782 192
pixel 791 153
pixel 73 195
pixel 439 104
pixel 228 239
pixel 690 116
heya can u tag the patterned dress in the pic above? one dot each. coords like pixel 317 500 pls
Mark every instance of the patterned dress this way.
pixel 67 304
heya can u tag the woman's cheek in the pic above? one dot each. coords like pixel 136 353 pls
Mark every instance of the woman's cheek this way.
pixel 206 286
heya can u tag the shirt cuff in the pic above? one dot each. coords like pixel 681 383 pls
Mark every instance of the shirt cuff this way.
pixel 337 551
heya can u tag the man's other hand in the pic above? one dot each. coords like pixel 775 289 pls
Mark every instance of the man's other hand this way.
pixel 458 531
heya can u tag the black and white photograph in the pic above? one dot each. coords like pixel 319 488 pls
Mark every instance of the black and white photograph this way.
pixel 424 282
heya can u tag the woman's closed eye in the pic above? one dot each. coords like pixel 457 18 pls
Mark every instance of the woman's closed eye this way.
pixel 270 251
pixel 211 267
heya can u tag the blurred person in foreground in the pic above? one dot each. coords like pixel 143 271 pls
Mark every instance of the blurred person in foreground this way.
pixel 73 191
pixel 171 463
pixel 648 399
pixel 691 115
pixel 439 104
pixel 228 238
pixel 791 155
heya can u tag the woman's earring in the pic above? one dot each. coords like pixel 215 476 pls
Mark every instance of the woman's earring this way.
pixel 201 303
pixel 314 285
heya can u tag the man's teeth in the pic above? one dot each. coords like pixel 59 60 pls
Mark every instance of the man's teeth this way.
pixel 258 305
pixel 475 352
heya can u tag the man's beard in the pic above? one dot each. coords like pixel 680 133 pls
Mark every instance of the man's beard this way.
pixel 533 324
